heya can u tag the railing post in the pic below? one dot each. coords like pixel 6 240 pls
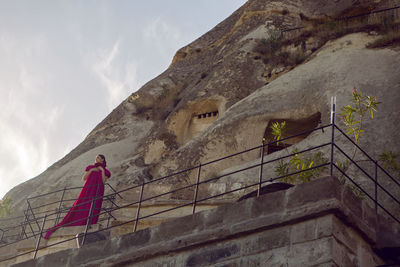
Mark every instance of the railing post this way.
pixel 28 222
pixel 333 110
pixel 23 226
pixel 376 186
pixel 261 170
pixel 23 232
pixel 109 213
pixel 39 237
pixel 89 219
pixel 88 222
pixel 33 214
pixel 138 209
pixel 196 190
pixel 59 207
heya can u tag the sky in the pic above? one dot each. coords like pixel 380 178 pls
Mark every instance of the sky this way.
pixel 66 64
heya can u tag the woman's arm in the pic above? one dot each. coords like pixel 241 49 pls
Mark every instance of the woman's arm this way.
pixel 103 175
pixel 87 173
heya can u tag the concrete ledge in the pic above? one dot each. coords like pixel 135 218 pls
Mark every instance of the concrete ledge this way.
pixel 321 212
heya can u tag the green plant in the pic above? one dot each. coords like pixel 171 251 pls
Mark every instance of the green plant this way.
pixel 5 207
pixel 389 159
pixel 353 115
pixel 278 130
pixel 301 165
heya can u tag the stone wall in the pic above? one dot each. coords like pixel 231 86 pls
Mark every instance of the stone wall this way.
pixel 318 223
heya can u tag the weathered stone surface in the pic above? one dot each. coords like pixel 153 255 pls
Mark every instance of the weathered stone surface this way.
pixel 212 255
pixel 310 192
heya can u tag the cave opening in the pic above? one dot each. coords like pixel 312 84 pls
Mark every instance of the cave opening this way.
pixel 292 127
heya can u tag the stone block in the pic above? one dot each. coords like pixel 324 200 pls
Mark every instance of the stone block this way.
pixel 267 240
pixel 92 237
pixel 352 202
pixel 233 263
pixel 328 264
pixel 59 258
pixel 342 256
pixel 303 231
pixel 267 204
pixel 243 211
pixel 212 255
pixel 367 258
pixel 346 235
pixel 311 253
pixel 369 215
pixel 324 226
pixel 274 257
pixel 318 190
pixel 178 226
pixel 139 238
pixel 163 261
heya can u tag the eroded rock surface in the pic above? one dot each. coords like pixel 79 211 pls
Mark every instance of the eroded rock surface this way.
pixel 219 95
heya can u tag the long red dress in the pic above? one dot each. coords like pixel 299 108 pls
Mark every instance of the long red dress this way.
pixel 79 212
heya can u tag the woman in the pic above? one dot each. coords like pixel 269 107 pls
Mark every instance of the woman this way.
pixel 95 176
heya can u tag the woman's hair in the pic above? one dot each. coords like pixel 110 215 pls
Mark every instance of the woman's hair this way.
pixel 102 156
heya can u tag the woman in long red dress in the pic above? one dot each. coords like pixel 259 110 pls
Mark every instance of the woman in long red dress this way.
pixel 95 177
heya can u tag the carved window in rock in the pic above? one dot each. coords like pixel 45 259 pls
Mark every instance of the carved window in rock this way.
pixel 201 121
pixel 207 115
pixel 292 127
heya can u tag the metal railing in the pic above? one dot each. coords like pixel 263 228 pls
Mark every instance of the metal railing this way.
pixel 25 229
pixel 331 147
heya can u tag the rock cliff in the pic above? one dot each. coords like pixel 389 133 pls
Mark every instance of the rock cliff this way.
pixel 220 93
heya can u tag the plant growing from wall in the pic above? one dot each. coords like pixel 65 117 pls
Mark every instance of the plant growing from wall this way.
pixel 353 116
pixel 300 164
pixel 389 159
pixel 278 130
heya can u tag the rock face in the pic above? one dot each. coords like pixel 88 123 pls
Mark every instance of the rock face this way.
pixel 221 92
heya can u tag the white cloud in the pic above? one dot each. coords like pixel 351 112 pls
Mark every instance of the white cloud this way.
pixel 27 118
pixel 116 75
pixel 165 37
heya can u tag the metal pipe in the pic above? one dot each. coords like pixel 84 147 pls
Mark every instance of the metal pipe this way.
pixel 138 209
pixel 59 208
pixel 33 214
pixel 261 170
pixel 39 237
pixel 333 110
pixel 28 221
pixel 89 219
pixel 369 176
pixel 196 190
pixel 376 187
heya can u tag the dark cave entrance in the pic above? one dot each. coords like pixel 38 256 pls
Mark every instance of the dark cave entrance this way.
pixel 293 127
